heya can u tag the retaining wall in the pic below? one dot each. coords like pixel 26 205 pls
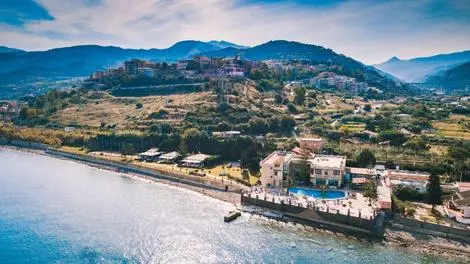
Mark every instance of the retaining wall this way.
pixel 423 226
pixel 310 214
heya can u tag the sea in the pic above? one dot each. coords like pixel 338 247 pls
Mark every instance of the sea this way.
pixel 60 211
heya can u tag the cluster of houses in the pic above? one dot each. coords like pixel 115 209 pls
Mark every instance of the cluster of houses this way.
pixel 281 168
pixel 192 161
pixel 9 110
pixel 331 79
pixel 197 66
pixel 458 206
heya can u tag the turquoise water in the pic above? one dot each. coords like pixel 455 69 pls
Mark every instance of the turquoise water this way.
pixel 328 194
pixel 56 211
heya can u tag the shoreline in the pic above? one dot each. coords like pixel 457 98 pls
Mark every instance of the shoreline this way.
pixel 228 197
pixel 401 240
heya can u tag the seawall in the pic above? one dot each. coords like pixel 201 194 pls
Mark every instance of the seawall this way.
pixel 314 217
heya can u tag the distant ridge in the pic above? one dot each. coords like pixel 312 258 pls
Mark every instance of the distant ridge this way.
pixel 418 69
pixel 455 78
pixel 4 49
pixel 79 61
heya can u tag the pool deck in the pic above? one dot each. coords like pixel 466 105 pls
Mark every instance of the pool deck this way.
pixel 357 206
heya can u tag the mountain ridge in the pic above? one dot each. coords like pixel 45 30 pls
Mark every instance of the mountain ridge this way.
pixel 454 78
pixel 419 68
pixel 79 61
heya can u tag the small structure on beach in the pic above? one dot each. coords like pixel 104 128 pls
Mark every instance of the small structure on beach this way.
pixel 169 157
pixel 150 155
pixel 195 161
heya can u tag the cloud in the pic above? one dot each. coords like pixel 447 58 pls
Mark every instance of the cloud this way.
pixel 17 13
pixel 371 31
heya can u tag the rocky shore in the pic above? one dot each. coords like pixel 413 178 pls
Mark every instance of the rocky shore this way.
pixel 427 244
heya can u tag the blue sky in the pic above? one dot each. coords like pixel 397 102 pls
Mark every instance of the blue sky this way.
pixel 369 30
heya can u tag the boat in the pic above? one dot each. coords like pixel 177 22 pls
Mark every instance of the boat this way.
pixel 232 215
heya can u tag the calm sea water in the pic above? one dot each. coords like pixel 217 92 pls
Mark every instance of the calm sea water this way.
pixel 56 211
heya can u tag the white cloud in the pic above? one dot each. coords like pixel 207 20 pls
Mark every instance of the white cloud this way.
pixel 370 31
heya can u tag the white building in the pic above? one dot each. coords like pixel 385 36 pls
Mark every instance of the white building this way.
pixel 195 161
pixel 411 179
pixel 327 170
pixel 275 168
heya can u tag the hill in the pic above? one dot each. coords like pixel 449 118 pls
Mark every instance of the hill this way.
pixel 452 79
pixel 4 49
pixel 290 50
pixel 224 44
pixel 19 71
pixel 417 69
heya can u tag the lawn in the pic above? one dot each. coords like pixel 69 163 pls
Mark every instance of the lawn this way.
pixel 235 172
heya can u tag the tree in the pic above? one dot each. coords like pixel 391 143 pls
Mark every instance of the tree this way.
pixel 24 113
pixel 434 190
pixel 245 174
pixel 299 97
pixel 139 105
pixel 367 107
pixel 278 98
pixel 291 107
pixel 396 138
pixel 366 158
pixel 286 124
pixel 370 191
pixel 304 167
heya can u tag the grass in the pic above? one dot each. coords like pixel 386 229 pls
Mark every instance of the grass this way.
pixel 234 172
pixel 352 127
pixel 122 111
pixel 75 150
pixel 451 129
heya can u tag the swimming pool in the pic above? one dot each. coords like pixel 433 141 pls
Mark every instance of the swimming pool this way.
pixel 318 194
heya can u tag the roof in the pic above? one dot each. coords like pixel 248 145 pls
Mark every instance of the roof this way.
pixel 379 167
pixel 462 202
pixel 329 161
pixel 359 180
pixel 151 152
pixel 404 173
pixel 170 155
pixel 464 194
pixel 463 186
pixel 197 158
pixel 362 171
pixel 311 139
pixel 277 157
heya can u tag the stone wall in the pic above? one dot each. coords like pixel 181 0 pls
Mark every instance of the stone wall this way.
pixel 423 226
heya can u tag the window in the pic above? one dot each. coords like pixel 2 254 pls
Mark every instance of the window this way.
pixel 336 172
pixel 333 182
pixel 320 181
pixel 326 173
pixel 317 171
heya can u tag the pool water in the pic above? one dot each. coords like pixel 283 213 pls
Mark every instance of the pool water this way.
pixel 327 194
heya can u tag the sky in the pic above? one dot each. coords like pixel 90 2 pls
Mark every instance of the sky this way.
pixel 370 31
